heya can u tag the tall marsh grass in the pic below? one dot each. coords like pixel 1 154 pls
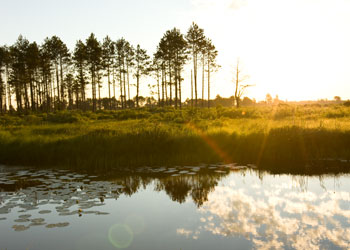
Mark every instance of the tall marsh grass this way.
pixel 285 138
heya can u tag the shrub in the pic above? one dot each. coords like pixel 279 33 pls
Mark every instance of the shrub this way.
pixel 347 103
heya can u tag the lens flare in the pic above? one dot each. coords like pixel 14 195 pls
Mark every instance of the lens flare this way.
pixel 211 143
pixel 120 236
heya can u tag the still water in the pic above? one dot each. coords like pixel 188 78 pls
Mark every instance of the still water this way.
pixel 202 207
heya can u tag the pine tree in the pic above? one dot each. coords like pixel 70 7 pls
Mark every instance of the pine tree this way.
pixel 211 54
pixel 108 54
pixel 94 56
pixel 195 39
pixel 142 64
pixel 80 62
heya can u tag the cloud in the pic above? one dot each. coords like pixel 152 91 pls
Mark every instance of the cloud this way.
pixel 277 219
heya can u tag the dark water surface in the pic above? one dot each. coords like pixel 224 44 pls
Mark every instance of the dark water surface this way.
pixel 205 207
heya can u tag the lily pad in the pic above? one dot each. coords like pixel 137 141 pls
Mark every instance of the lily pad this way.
pixel 19 228
pixel 37 224
pixel 25 216
pixel 22 220
pixel 61 224
pixel 44 211
pixel 101 213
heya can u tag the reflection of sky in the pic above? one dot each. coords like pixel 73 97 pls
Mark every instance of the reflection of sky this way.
pixel 242 211
pixel 273 214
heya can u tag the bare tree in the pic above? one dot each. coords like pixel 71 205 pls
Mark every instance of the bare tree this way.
pixel 240 88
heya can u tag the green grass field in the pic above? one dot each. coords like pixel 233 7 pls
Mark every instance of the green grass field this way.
pixel 277 138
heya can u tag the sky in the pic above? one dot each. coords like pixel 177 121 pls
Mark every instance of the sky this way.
pixel 296 49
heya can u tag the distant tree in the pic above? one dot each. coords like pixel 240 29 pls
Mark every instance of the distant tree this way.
pixel 211 54
pixel 94 56
pixel 166 56
pixel 130 62
pixel 337 99
pixel 156 68
pixel 2 81
pixel 276 101
pixel 247 101
pixel 239 87
pixel 80 62
pixel 142 64
pixel 6 60
pixel 32 62
pixel 18 72
pixel 48 77
pixel 142 100
pixel 70 82
pixel 178 49
pixel 268 99
pixel 108 54
pixel 195 39
pixel 121 45
pixel 172 52
pixel 59 56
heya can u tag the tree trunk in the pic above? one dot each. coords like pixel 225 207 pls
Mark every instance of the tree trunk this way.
pixel 163 87
pixel 237 83
pixel 58 86
pixel 109 89
pixel 8 88
pixel 121 87
pixel 158 88
pixel 124 81
pixel 208 83
pixel 93 91
pixel 1 94
pixel 176 81
pixel 31 92
pixel 18 99
pixel 171 92
pixel 99 92
pixel 137 89
pixel 127 70
pixel 62 83
pixel 114 99
pixel 203 81
pixel 191 89
pixel 26 98
pixel 180 98
pixel 195 75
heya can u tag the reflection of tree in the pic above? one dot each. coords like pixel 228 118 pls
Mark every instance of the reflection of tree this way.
pixel 198 187
pixel 132 183
pixel 177 187
pixel 204 185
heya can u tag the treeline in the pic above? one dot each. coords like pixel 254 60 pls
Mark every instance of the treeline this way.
pixel 50 77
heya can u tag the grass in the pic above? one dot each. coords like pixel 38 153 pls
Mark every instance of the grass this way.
pixel 280 138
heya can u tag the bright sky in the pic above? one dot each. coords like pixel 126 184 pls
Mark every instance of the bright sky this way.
pixel 298 49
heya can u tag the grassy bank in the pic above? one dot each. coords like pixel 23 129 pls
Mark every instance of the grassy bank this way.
pixel 284 138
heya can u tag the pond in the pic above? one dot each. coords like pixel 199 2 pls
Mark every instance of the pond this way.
pixel 200 207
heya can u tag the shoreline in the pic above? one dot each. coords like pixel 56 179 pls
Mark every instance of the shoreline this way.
pixel 144 137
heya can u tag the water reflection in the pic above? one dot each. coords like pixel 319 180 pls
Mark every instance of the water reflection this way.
pixel 277 216
pixel 231 202
pixel 71 193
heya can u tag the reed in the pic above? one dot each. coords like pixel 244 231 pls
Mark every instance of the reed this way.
pixel 283 138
